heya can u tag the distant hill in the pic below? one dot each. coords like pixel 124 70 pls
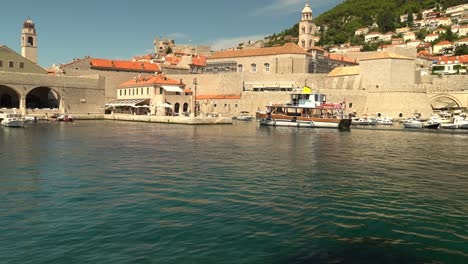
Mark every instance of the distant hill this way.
pixel 338 24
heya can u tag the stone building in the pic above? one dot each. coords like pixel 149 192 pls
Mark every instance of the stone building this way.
pixel 289 58
pixel 156 95
pixel 115 72
pixel 29 89
pixel 384 84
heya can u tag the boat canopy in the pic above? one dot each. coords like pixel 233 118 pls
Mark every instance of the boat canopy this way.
pixel 128 102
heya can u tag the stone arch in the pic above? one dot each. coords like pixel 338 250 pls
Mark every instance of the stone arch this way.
pixel 185 107
pixel 42 97
pixel 9 97
pixel 176 108
pixel 444 101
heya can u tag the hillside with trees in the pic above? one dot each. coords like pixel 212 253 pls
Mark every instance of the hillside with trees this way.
pixel 337 26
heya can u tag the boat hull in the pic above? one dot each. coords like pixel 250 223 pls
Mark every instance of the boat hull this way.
pixel 13 123
pixel 341 124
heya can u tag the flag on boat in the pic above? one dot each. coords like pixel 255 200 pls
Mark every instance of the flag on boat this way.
pixel 307 90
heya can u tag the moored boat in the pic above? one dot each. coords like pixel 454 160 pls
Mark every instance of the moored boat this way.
pixel 244 116
pixel 13 120
pixel 385 121
pixel 364 121
pixel 458 123
pixel 65 118
pixel 305 110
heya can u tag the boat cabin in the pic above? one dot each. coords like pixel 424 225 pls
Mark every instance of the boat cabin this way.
pixel 307 105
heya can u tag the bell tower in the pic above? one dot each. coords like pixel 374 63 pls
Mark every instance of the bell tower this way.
pixel 307 28
pixel 29 41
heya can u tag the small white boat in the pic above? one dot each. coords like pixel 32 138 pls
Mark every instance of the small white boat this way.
pixel 13 120
pixel 458 123
pixel 413 123
pixel 30 119
pixel 244 116
pixel 364 120
pixel 385 121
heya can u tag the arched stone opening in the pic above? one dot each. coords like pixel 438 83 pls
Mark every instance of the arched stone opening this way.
pixel 41 98
pixel 9 98
pixel 444 102
pixel 185 107
pixel 176 108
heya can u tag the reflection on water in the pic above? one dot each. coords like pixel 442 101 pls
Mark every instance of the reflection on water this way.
pixel 114 192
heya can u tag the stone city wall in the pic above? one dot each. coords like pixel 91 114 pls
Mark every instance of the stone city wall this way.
pixel 82 95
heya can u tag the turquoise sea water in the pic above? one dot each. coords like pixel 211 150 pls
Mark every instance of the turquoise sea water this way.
pixel 115 192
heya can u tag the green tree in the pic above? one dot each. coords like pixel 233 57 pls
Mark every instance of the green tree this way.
pixel 410 19
pixel 461 50
pixel 385 20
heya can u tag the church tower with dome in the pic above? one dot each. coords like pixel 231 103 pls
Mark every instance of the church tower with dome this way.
pixel 29 41
pixel 307 28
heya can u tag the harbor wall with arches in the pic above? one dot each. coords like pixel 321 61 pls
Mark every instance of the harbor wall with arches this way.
pixel 44 95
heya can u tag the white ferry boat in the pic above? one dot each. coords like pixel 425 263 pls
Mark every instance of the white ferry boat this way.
pixel 305 110
pixel 13 120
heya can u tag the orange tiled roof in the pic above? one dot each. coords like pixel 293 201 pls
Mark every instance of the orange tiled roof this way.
pixel 443 43
pixel 461 59
pixel 199 61
pixel 462 40
pixel 172 60
pixel 217 96
pixel 288 48
pixel 151 80
pixel 341 58
pixel 124 65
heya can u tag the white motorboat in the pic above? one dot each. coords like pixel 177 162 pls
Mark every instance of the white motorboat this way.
pixel 364 121
pixel 244 116
pixel 13 120
pixel 413 123
pixel 458 123
pixel 30 119
pixel 385 121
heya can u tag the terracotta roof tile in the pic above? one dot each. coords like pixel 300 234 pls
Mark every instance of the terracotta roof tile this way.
pixel 341 58
pixel 199 61
pixel 288 48
pixel 150 80
pixel 344 71
pixel 124 65
pixel 443 43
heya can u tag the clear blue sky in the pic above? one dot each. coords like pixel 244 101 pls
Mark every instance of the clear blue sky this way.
pixel 121 29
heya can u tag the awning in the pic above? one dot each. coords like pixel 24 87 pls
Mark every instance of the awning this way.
pixel 127 102
pixel 165 105
pixel 175 89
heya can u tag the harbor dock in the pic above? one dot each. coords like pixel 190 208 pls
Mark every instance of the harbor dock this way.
pixel 183 120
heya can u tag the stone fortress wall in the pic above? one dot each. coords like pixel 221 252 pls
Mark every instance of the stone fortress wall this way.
pixel 82 97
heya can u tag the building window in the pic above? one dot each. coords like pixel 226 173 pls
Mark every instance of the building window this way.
pixel 303 43
pixel 350 105
pixel 303 30
pixel 1 63
pixel 267 67
pixel 11 64
pixel 240 67
pixel 236 105
pixel 21 65
pixel 147 90
pixel 125 92
pixel 215 105
pixel 254 67
pixel 400 115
